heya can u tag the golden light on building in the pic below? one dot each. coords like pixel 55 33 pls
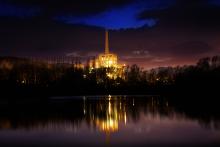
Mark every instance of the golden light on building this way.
pixel 108 60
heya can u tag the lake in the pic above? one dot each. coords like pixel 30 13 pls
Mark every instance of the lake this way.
pixel 106 121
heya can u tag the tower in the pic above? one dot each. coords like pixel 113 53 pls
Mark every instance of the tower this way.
pixel 109 61
pixel 106 42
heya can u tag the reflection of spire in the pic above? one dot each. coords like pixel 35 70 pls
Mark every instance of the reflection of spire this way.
pixel 113 115
pixel 106 42
pixel 110 123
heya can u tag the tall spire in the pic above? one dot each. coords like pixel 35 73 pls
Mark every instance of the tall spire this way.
pixel 106 42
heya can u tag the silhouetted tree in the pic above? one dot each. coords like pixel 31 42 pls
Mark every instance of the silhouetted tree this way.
pixel 204 63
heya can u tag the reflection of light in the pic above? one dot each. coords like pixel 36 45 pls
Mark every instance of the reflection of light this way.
pixel 109 125
pixel 6 124
pixel 113 115
pixel 84 105
pixel 125 118
pixel 109 97
pixel 109 107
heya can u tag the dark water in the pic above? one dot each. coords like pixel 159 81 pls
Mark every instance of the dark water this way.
pixel 106 121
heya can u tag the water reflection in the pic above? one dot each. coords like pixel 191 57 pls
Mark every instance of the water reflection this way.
pixel 126 117
pixel 112 115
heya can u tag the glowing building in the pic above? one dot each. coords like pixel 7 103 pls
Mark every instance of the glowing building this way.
pixel 108 60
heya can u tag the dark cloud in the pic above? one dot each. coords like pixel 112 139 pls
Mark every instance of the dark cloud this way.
pixel 74 7
pixel 187 13
pixel 18 11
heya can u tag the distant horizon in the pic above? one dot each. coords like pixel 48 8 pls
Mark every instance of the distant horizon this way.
pixel 85 58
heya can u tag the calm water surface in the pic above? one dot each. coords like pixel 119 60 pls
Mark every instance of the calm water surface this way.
pixel 105 121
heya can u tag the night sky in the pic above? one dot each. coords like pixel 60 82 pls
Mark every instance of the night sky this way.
pixel 149 33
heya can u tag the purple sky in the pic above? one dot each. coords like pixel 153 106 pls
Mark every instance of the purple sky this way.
pixel 150 33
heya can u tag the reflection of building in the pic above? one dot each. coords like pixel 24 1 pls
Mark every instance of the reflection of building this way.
pixel 108 60
pixel 108 114
pixel 113 116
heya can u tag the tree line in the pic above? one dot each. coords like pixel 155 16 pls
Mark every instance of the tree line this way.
pixel 26 77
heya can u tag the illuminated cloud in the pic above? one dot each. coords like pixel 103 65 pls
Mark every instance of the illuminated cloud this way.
pixel 143 56
pixel 138 54
pixel 112 19
pixel 120 18
pixel 82 54
pixel 161 60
